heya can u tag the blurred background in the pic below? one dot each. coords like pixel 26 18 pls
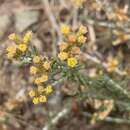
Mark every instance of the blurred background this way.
pixel 108 23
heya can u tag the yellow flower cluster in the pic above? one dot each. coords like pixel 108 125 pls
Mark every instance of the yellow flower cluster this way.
pixel 41 66
pixel 20 46
pixel 40 94
pixel 73 41
pixel 11 51
pixel 40 71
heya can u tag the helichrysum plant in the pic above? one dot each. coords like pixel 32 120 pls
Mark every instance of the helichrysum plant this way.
pixel 67 65
pixel 43 69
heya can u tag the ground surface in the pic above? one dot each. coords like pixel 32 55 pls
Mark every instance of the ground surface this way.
pixel 19 16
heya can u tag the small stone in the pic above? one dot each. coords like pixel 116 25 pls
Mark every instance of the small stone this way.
pixel 24 19
pixel 4 24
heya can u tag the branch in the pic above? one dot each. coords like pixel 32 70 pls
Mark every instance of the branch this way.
pixel 98 61
pixel 52 18
pixel 109 119
pixel 106 24
pixel 55 120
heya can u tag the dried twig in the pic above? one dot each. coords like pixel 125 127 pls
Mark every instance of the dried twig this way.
pixel 109 119
pixel 55 120
pixel 52 18
pixel 104 65
pixel 106 24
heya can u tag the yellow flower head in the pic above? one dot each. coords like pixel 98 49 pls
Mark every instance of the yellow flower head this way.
pixel 82 29
pixel 22 47
pixel 72 38
pixel 11 49
pixel 41 79
pixel 49 89
pixel 35 100
pixel 42 99
pixel 63 56
pixel 112 64
pixel 33 70
pixel 13 37
pixel 82 39
pixel 46 65
pixel 40 89
pixel 32 93
pixel 44 78
pixel 10 55
pixel 63 46
pixel 36 59
pixel 65 29
pixel 37 81
pixel 72 62
pixel 75 50
pixel 27 37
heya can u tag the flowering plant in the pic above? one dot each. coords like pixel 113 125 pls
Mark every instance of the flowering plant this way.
pixel 44 69
pixel 46 72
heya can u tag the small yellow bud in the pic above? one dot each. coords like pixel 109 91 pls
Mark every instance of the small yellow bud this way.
pixel 49 89
pixel 72 62
pixel 41 89
pixel 10 55
pixel 11 49
pixel 44 78
pixel 42 99
pixel 22 47
pixel 65 29
pixel 32 93
pixel 82 39
pixel 63 56
pixel 72 38
pixel 41 79
pixel 36 59
pixel 37 81
pixel 112 64
pixel 13 37
pixel 35 100
pixel 33 70
pixel 63 46
pixel 46 65
pixel 83 29
pixel 27 37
